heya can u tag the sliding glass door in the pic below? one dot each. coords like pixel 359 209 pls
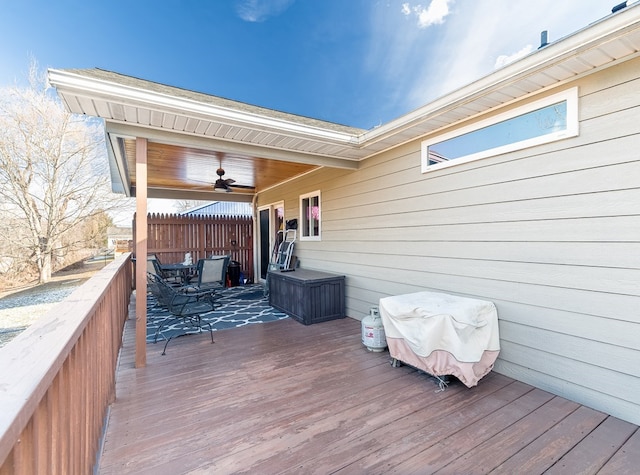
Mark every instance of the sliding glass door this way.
pixel 271 220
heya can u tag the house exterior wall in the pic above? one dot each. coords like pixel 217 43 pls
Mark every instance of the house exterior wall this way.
pixel 550 234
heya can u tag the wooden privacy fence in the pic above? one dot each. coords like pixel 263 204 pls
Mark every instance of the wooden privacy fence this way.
pixel 170 237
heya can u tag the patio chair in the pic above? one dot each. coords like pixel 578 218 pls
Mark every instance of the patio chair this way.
pixel 212 273
pixel 187 308
pixel 153 286
pixel 154 266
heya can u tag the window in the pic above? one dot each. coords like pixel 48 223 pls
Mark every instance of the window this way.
pixel 310 216
pixel 542 121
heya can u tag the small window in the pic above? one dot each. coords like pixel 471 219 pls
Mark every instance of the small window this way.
pixel 543 121
pixel 310 216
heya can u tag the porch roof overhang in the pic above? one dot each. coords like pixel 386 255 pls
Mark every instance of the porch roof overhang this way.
pixel 190 134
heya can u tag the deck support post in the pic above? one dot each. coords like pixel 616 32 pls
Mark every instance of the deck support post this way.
pixel 141 252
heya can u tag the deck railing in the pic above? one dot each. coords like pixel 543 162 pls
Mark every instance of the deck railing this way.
pixel 57 378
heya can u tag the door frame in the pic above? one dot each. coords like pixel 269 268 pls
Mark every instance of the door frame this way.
pixel 267 237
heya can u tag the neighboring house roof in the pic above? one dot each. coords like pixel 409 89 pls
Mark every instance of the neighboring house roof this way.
pixel 221 208
pixel 116 232
pixel 189 120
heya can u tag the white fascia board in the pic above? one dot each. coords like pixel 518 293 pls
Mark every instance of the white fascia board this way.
pixel 590 37
pixel 70 82
pixel 583 40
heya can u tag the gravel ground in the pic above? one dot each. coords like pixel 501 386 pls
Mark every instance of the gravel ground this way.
pixel 21 308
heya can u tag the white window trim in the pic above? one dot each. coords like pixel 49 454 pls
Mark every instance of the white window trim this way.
pixel 572 130
pixel 302 237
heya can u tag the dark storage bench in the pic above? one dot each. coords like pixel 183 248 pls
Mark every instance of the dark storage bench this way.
pixel 309 296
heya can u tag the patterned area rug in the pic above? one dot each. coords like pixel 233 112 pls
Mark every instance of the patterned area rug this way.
pixel 242 305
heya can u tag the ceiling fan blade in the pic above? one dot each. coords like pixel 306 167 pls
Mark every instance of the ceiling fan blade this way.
pixel 224 185
pixel 221 185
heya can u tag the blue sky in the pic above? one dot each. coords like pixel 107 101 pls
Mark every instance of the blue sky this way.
pixel 354 62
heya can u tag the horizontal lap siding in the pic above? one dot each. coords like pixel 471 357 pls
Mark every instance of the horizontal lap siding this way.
pixel 550 234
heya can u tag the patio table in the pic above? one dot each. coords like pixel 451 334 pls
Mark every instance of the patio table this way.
pixel 184 270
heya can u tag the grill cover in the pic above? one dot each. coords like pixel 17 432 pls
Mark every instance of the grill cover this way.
pixel 447 334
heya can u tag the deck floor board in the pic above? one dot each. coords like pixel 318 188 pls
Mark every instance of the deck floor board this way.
pixel 282 397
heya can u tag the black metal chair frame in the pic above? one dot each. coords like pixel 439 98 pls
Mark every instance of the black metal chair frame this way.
pixel 186 307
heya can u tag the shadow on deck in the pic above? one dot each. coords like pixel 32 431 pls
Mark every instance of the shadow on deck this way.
pixel 282 397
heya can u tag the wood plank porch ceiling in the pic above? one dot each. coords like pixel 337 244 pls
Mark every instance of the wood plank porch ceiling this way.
pixel 184 169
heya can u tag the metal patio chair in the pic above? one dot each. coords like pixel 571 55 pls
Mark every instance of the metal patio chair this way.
pixel 185 307
pixel 212 273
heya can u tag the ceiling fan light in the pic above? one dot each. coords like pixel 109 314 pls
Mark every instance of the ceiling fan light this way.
pixel 222 186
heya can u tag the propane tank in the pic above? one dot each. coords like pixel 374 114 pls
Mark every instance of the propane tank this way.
pixel 373 331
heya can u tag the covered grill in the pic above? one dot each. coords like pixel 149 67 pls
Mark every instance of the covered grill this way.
pixel 442 334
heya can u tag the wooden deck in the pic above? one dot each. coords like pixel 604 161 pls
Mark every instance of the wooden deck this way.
pixel 282 397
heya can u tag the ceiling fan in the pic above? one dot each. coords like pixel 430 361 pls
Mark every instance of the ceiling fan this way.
pixel 223 185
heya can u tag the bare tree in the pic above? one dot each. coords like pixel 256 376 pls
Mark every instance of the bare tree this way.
pixel 186 205
pixel 53 170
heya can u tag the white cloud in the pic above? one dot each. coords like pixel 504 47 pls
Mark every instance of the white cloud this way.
pixel 434 14
pixel 256 11
pixel 481 36
pixel 504 59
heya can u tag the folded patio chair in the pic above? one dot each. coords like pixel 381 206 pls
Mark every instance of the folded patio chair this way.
pixel 185 308
pixel 212 273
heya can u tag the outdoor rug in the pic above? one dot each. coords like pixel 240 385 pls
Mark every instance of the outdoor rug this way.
pixel 240 306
